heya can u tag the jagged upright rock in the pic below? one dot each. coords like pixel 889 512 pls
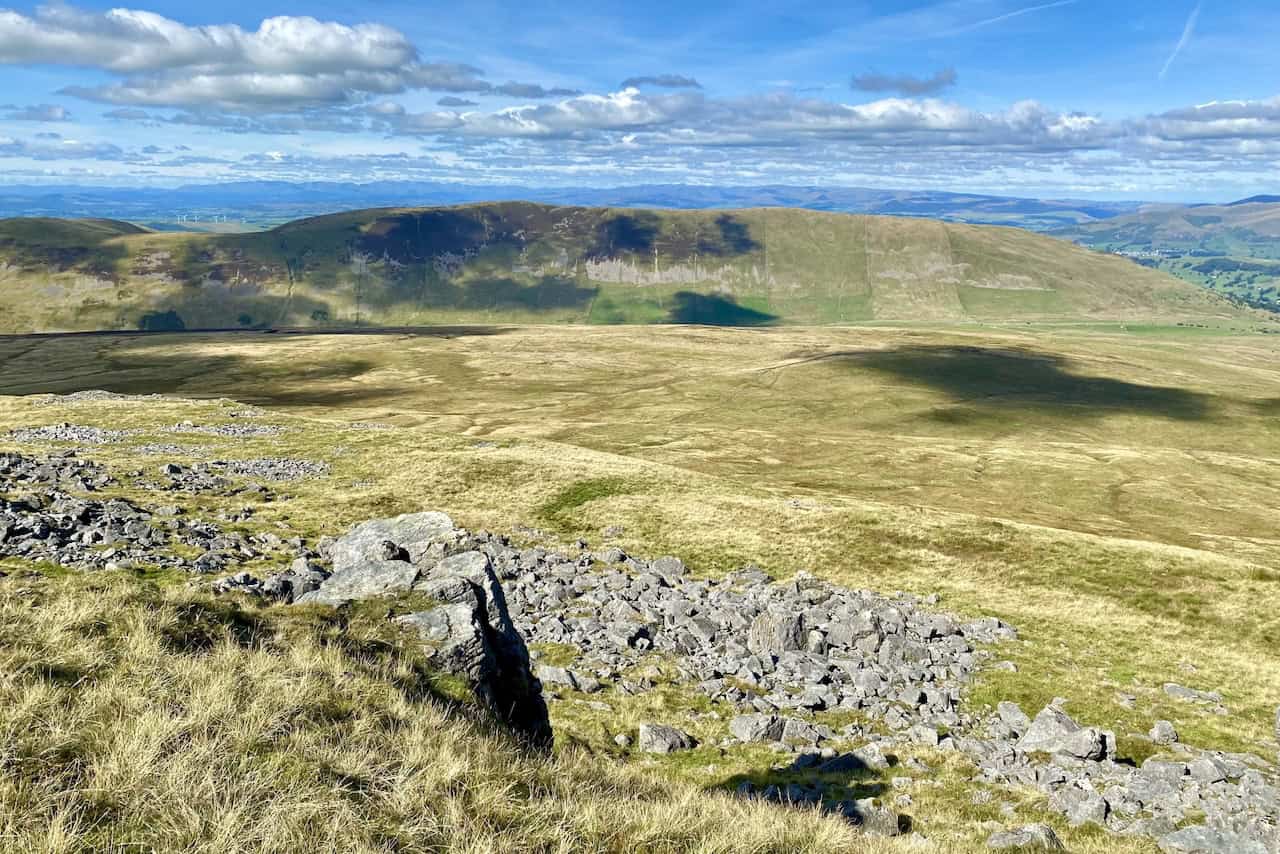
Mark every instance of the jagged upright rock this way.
pixel 469 634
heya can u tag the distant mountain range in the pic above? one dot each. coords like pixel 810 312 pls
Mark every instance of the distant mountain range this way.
pixel 258 204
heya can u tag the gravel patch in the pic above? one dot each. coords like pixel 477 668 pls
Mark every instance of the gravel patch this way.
pixel 233 431
pixel 78 434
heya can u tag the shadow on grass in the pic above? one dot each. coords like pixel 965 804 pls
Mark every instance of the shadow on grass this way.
pixel 998 379
pixel 841 786
pixel 147 363
pixel 715 310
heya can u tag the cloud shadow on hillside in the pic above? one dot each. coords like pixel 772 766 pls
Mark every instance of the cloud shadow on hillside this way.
pixel 996 379
pixel 621 233
pixel 548 294
pixel 714 310
pixel 735 238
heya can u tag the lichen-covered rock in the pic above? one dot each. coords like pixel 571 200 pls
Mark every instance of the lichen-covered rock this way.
pixel 775 632
pixel 1163 732
pixel 413 532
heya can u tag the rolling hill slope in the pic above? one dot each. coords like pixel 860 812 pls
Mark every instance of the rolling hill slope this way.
pixel 521 262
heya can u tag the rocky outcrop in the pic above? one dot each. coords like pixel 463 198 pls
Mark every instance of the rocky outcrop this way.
pixel 48 512
pixel 469 632
pixel 779 653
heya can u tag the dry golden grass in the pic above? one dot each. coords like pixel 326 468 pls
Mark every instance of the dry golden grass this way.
pixel 1109 492
pixel 135 720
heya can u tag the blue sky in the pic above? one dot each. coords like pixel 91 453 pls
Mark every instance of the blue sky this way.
pixel 1154 100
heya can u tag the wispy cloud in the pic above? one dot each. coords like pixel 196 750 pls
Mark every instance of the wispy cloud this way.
pixel 1188 30
pixel 1016 13
pixel 667 81
pixel 905 84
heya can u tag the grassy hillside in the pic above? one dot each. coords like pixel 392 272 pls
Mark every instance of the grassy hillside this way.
pixel 1230 249
pixel 1110 494
pixel 520 262
pixel 139 719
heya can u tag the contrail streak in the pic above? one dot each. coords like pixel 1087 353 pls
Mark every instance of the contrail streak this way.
pixel 1016 13
pixel 1187 32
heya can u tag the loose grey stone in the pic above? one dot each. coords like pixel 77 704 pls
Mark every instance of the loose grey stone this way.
pixel 1030 837
pixel 1162 732
pixel 660 738
pixel 875 819
pixel 568 679
pixel 776 632
pixel 754 728
pixel 1053 731
pixel 1181 692
pixel 1200 839
pixel 1013 717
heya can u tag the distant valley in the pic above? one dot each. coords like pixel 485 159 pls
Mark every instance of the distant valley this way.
pixel 1231 249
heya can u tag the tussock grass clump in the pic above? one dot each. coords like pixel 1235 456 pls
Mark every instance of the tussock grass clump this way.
pixel 136 719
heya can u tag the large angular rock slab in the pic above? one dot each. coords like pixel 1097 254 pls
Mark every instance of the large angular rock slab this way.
pixel 413 532
pixel 365 581
pixel 1053 731
pixel 755 728
pixel 380 558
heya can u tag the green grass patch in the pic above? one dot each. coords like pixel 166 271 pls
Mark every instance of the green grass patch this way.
pixel 560 509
